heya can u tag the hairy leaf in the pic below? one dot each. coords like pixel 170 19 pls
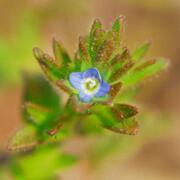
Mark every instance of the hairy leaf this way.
pixel 121 71
pixel 96 38
pixel 50 68
pixel 145 64
pixel 38 90
pixel 117 29
pixel 128 126
pixel 139 52
pixel 119 59
pixel 23 139
pixel 107 48
pixel 127 111
pixel 83 51
pixel 41 104
pixel 115 89
pixel 61 56
pixel 138 74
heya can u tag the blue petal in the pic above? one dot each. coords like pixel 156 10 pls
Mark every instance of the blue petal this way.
pixel 75 79
pixel 84 97
pixel 103 90
pixel 92 72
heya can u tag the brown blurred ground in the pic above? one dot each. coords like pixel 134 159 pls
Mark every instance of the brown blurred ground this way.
pixel 155 20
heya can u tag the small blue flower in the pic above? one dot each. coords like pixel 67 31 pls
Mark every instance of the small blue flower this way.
pixel 89 84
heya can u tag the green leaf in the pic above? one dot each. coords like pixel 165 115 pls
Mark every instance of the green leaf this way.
pixel 142 65
pixel 48 66
pixel 96 25
pixel 107 49
pixel 120 64
pixel 116 26
pixel 37 114
pixel 44 162
pixel 119 59
pixel 53 72
pixel 23 139
pixel 104 114
pixel 41 104
pixel 87 126
pixel 116 76
pixel 117 29
pixel 117 118
pixel 61 56
pixel 38 90
pixel 137 75
pixel 126 110
pixel 127 126
pixel 96 38
pixel 139 52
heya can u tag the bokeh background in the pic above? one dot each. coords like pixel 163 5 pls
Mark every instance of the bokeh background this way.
pixel 25 24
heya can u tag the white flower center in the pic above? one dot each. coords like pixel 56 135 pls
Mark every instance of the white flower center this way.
pixel 90 86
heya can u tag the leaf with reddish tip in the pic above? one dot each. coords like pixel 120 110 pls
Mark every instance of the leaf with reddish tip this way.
pixel 116 118
pixel 38 53
pixel 115 89
pixel 96 25
pixel 117 28
pixel 117 113
pixel 83 51
pixel 139 52
pixel 145 64
pixel 107 48
pixel 50 68
pixel 121 71
pixel 128 126
pixel 127 110
pixel 119 59
pixel 61 56
pixel 144 71
pixel 96 38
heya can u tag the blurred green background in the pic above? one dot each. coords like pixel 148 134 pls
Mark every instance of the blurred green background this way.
pixel 25 24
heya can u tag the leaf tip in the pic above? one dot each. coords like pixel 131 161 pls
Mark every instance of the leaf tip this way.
pixel 38 53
